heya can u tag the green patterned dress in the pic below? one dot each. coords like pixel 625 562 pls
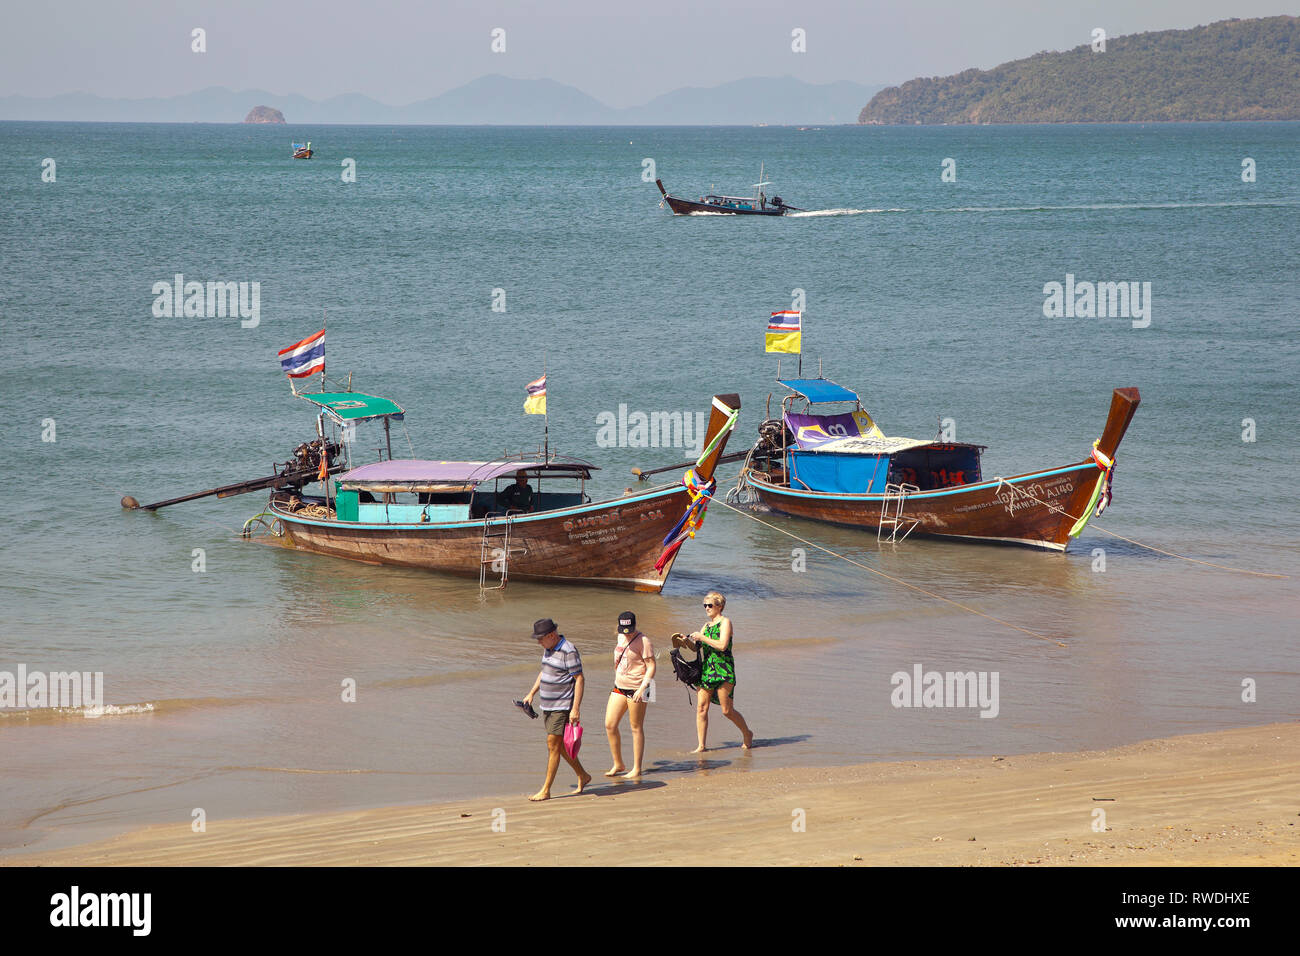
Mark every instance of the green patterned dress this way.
pixel 719 666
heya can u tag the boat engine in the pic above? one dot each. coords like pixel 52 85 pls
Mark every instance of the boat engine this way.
pixel 304 467
pixel 772 435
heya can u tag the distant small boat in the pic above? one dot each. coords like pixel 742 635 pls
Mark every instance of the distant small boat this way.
pixel 756 205
pixel 302 150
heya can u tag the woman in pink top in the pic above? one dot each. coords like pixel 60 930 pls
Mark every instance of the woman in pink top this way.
pixel 634 668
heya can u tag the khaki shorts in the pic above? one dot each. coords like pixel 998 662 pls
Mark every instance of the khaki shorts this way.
pixel 555 721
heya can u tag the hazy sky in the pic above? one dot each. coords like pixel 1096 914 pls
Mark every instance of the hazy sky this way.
pixel 623 53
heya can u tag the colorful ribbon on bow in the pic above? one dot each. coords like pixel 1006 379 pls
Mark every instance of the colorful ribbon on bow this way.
pixel 1100 492
pixel 690 522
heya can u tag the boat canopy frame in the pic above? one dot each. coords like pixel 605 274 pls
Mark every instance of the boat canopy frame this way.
pixel 428 476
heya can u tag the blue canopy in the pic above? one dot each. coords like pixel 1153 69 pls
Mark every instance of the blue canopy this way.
pixel 818 390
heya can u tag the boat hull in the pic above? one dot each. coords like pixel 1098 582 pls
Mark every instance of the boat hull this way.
pixel 611 543
pixel 1036 509
pixel 687 207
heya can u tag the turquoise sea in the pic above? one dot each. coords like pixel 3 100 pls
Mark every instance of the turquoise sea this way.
pixel 925 296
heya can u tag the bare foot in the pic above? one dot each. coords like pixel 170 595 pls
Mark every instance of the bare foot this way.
pixel 583 781
pixel 634 772
pixel 541 795
pixel 749 740
pixel 699 750
pixel 615 771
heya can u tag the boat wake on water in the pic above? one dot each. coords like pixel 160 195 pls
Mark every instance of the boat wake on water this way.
pixel 812 213
pixel 1112 206
pixel 809 214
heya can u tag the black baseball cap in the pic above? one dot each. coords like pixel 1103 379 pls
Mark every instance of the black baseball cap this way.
pixel 626 622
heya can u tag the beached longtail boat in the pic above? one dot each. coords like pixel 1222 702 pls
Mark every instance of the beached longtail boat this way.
pixel 455 517
pixel 840 468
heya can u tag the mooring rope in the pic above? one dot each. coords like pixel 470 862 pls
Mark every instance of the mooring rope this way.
pixel 890 577
pixel 1061 511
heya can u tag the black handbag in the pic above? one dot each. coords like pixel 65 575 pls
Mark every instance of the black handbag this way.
pixel 688 672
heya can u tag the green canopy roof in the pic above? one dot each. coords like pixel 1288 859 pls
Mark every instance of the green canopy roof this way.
pixel 353 406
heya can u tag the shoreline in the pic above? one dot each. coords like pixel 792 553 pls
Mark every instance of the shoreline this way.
pixel 1227 798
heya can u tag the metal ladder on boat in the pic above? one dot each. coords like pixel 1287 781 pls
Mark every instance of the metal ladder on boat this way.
pixel 891 513
pixel 495 547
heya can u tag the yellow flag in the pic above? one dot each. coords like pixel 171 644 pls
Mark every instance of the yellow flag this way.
pixel 535 404
pixel 784 342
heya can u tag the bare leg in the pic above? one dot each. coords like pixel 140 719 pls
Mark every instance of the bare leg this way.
pixel 729 711
pixel 584 778
pixel 702 697
pixel 636 717
pixel 554 748
pixel 613 714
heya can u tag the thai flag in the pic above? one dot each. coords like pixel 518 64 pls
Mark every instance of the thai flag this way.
pixel 304 358
pixel 784 333
pixel 538 387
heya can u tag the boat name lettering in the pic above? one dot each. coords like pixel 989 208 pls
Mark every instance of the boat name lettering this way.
pixel 588 521
pixel 596 536
pixel 1018 498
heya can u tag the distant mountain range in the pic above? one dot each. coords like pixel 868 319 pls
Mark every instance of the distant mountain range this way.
pixel 494 100
pixel 1230 70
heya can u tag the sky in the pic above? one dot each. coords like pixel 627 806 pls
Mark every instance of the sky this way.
pixel 623 53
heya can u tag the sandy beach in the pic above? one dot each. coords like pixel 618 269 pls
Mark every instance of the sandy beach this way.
pixel 1226 798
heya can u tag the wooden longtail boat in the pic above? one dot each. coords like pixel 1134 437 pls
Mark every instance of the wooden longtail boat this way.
pixel 840 468
pixel 302 151
pixel 454 517
pixel 756 205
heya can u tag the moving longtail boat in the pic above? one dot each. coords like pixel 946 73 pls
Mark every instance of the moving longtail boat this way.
pixel 455 516
pixel 302 150
pixel 756 205
pixel 840 468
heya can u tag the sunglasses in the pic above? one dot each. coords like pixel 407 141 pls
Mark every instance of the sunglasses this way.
pixel 707 604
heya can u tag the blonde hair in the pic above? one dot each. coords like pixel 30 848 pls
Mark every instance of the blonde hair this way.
pixel 718 599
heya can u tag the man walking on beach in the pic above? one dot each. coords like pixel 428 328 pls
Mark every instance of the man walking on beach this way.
pixel 560 683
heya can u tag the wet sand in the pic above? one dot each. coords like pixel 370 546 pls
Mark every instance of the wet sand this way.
pixel 1219 799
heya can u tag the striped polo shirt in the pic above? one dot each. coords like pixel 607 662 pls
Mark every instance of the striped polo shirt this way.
pixel 561 666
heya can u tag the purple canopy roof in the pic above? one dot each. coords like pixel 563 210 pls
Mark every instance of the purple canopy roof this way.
pixel 468 472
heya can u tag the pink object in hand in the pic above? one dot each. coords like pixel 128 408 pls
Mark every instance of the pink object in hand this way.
pixel 572 739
